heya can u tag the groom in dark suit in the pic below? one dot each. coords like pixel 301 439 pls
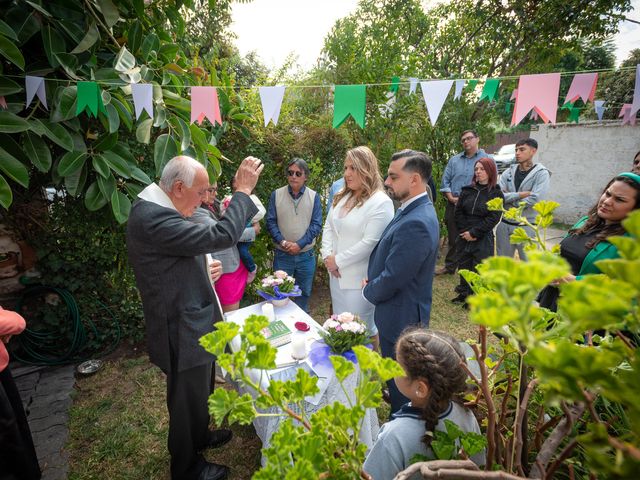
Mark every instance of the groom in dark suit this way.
pixel 401 267
pixel 167 253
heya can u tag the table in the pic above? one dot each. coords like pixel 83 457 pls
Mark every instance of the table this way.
pixel 330 390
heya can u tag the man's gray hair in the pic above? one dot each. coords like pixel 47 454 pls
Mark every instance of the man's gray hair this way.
pixel 179 168
pixel 301 164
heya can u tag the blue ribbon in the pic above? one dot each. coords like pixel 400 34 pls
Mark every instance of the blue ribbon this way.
pixel 320 352
pixel 296 292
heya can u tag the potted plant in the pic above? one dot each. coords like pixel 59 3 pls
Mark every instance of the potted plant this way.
pixel 278 288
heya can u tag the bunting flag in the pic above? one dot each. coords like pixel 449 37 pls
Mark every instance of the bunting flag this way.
pixel 635 105
pixel 35 86
pixel 413 85
pixel 574 114
pixel 90 99
pixel 625 113
pixel 582 86
pixel 435 93
pixel 204 104
pixel 142 98
pixel 3 103
pixel 349 100
pixel 490 89
pixel 538 92
pixel 459 87
pixel 471 85
pixel 271 99
pixel 599 108
pixel 395 85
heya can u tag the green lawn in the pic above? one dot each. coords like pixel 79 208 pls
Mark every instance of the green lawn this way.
pixel 118 421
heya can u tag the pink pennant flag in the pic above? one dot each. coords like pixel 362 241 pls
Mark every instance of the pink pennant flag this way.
pixel 625 113
pixel 539 92
pixel 635 105
pixel 3 103
pixel 514 94
pixel 204 104
pixel 582 86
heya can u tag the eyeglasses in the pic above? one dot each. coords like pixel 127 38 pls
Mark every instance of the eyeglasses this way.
pixel 467 139
pixel 212 189
pixel 297 173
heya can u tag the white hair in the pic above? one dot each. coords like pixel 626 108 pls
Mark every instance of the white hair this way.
pixel 181 168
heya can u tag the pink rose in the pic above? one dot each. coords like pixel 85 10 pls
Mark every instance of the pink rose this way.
pixel 346 317
pixel 281 274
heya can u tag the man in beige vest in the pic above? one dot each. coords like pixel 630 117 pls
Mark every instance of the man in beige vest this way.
pixel 294 220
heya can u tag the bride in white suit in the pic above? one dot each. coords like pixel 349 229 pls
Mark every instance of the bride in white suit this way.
pixel 357 217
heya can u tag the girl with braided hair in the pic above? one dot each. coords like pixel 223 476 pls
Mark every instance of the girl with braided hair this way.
pixel 434 383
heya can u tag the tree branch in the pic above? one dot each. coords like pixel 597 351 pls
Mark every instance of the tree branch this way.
pixel 520 434
pixel 453 469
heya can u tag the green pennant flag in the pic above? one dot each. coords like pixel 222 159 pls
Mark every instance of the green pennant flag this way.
pixel 574 114
pixel 471 85
pixel 349 100
pixel 490 89
pixel 89 97
pixel 395 85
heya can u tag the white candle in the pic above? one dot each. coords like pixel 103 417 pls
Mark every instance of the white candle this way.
pixel 267 311
pixel 298 347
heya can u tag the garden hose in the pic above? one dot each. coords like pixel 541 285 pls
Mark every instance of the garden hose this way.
pixel 64 345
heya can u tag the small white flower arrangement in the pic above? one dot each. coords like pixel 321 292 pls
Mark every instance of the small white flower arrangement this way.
pixel 279 285
pixel 344 331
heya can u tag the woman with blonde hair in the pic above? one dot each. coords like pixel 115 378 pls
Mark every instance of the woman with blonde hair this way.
pixel 358 215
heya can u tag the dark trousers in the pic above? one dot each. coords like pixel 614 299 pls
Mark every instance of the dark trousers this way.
pixel 187 394
pixel 470 254
pixel 388 350
pixel 18 460
pixel 451 260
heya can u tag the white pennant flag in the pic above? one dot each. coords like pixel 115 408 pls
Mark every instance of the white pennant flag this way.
pixel 271 98
pixel 435 93
pixel 459 87
pixel 142 98
pixel 413 85
pixel 35 86
pixel 600 108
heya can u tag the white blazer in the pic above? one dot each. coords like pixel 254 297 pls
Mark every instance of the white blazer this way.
pixel 353 237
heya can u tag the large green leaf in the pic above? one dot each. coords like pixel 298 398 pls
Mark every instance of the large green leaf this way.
pixel 93 198
pixel 7 31
pixel 58 135
pixel 121 206
pixel 10 144
pixel 27 27
pixel 37 150
pixel 11 52
pixel 163 151
pixel 134 189
pixel 123 112
pixel 8 87
pixel 123 151
pixel 185 133
pixel 39 8
pixel 36 126
pixel 88 40
pixel 12 123
pixel 53 43
pixel 64 105
pixel 69 63
pixel 169 51
pixel 71 162
pixel 107 185
pixel 101 166
pixel 143 132
pixel 109 12
pixel 112 118
pixel 117 164
pixel 13 168
pixel 6 195
pixel 139 175
pixel 150 44
pixel 106 142
pixel 74 183
pixel 134 37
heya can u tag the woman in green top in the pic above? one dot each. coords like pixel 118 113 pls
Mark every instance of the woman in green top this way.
pixel 586 242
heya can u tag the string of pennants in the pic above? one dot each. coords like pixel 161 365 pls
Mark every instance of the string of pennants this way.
pixel 535 94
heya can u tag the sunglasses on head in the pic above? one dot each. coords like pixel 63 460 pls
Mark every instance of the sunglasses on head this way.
pixel 297 173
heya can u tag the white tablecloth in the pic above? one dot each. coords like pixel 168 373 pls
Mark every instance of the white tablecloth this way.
pixel 330 390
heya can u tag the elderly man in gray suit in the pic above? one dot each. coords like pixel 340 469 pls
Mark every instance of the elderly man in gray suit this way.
pixel 167 253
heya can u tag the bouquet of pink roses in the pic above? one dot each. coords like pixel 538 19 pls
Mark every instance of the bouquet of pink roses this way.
pixel 343 332
pixel 278 286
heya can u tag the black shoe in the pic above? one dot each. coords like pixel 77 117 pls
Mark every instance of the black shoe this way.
pixel 218 438
pixel 213 471
pixel 461 299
